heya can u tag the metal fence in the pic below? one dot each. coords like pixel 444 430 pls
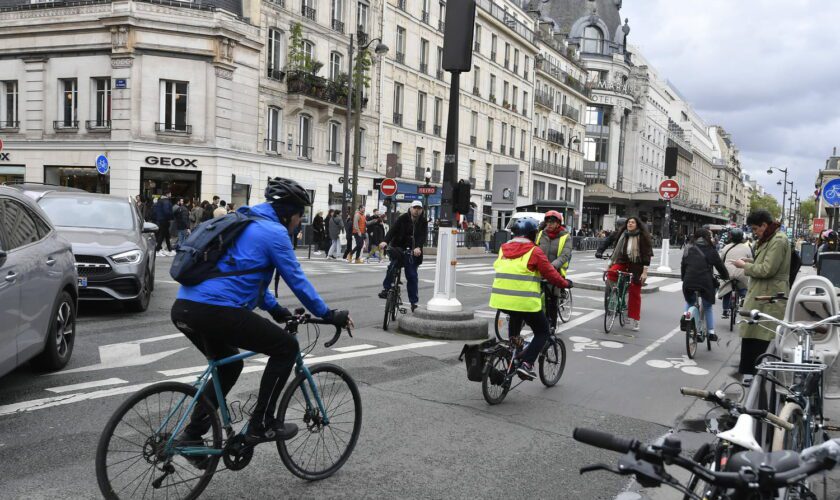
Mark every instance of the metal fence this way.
pixel 475 238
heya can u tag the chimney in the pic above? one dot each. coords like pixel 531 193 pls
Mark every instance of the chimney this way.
pixel 835 151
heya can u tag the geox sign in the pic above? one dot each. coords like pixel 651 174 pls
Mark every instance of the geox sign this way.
pixel 166 161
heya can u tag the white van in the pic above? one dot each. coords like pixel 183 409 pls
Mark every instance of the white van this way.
pixel 537 216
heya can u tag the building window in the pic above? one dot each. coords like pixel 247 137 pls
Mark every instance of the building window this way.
pixel 477 81
pixel 527 71
pixel 507 55
pixel 438 115
pixel 9 105
pixel 273 133
pixel 69 104
pixel 593 40
pixel 490 132
pixel 334 139
pixel 337 12
pixel 505 101
pixel 435 162
pixel 420 162
pixel 362 147
pixel 504 136
pixel 101 103
pixel 173 106
pixel 398 103
pixel 494 41
pixel 421 111
pixel 516 60
pixel 305 137
pixel 539 190
pixel 308 49
pixel 362 17
pixel 473 128
pixel 492 88
pixel 400 45
pixel 552 192
pixel 424 56
pixel 477 38
pixel 440 63
pixel 335 65
pixel 275 54
pixel 525 103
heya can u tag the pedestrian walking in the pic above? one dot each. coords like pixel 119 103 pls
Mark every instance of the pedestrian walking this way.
pixel 488 230
pixel 769 274
pixel 334 226
pixel 697 274
pixel 221 210
pixel 163 216
pixel 734 250
pixel 376 230
pixel 182 221
pixel 318 232
pixel 359 226
pixel 348 236
pixel 196 213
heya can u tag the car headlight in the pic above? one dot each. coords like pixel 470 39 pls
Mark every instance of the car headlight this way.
pixel 130 257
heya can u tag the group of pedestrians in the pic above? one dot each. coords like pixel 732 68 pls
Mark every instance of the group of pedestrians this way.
pixel 362 233
pixel 177 217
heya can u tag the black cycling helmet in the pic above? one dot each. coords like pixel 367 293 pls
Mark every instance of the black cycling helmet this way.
pixel 736 236
pixel 525 227
pixel 280 191
pixel 620 222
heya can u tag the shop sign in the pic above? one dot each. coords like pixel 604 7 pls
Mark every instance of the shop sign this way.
pixel 5 157
pixel 167 161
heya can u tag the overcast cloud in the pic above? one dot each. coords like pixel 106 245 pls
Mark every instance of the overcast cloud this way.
pixel 765 70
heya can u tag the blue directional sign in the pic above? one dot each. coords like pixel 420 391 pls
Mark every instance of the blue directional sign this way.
pixel 102 164
pixel 831 192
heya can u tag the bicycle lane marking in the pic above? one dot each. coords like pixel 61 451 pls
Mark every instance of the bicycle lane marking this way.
pixel 42 403
pixel 644 352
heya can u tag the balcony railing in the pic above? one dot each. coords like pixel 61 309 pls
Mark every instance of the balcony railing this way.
pixel 307 12
pixel 281 3
pixel 503 15
pixel 555 71
pixel 544 100
pixel 419 174
pixel 179 128
pixel 507 63
pixel 435 175
pixel 333 156
pixel 424 16
pixel 424 68
pixel 598 46
pixel 305 152
pixel 516 69
pixel 298 82
pixel 521 191
pixel 493 98
pixel 558 170
pixel 555 136
pixel 472 182
pixel 66 125
pixel 439 74
pixel 473 140
pixel 477 47
pixel 274 146
pixel 511 151
pixel 9 125
pixel 493 56
pixel 522 154
pixel 400 57
pixel 488 186
pixel 476 91
pixel 441 25
pixel 502 148
pixel 276 74
pixel 98 125
pixel 421 125
pixel 436 130
pixel 571 112
pixel 398 119
pixel 337 25
pixel 489 145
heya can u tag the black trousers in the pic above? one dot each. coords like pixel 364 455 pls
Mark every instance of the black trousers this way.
pixel 539 325
pixel 750 350
pixel 163 235
pixel 349 249
pixel 217 331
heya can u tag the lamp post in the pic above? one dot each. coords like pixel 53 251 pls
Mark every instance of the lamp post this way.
pixel 380 49
pixel 428 177
pixel 572 140
pixel 784 188
pixel 792 205
pixel 344 187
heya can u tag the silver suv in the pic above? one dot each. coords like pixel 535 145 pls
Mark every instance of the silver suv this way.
pixel 37 287
pixel 113 247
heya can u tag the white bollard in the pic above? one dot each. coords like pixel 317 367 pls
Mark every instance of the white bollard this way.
pixel 664 261
pixel 444 299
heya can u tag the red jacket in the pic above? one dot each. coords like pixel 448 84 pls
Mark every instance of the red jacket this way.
pixel 518 247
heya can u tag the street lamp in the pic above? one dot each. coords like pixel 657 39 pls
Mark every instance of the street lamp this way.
pixel 355 91
pixel 428 177
pixel 572 140
pixel 784 189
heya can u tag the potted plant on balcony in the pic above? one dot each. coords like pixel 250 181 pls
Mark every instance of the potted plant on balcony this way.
pixel 338 89
pixel 296 61
pixel 505 104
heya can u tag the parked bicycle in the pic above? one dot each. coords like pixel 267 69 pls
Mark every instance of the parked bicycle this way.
pixel 139 453
pixel 393 301
pixel 747 475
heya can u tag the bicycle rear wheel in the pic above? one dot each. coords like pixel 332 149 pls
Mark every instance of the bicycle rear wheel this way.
pixel 552 361
pixel 691 340
pixel 320 449
pixel 494 383
pixel 390 309
pixel 612 310
pixel 564 307
pixel 734 298
pixel 131 459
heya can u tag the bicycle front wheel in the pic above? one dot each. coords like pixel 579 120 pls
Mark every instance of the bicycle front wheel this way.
pixel 704 456
pixel 320 448
pixel 564 307
pixel 131 458
pixel 500 325
pixel 691 340
pixel 552 361
pixel 733 313
pixel 794 439
pixel 611 311
pixel 390 309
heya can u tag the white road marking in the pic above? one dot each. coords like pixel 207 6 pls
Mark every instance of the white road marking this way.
pixel 123 355
pixel 492 271
pixel 87 385
pixel 647 350
pixel 655 279
pixel 673 287
pixel 156 339
pixel 351 348
pixel 573 276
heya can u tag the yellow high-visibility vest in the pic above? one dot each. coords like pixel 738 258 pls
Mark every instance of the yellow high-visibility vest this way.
pixel 515 288
pixel 560 245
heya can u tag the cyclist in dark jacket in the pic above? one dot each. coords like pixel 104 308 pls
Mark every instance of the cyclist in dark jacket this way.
pixel 408 233
pixel 217 314
pixel 699 257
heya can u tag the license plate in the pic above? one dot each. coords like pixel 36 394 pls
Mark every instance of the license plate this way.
pixel 82 282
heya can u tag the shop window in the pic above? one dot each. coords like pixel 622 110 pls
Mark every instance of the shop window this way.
pixel 86 178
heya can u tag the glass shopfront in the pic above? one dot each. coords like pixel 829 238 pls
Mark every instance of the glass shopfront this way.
pixel 12 174
pixel 86 178
pixel 154 182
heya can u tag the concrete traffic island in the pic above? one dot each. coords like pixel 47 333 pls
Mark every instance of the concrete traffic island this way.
pixel 460 325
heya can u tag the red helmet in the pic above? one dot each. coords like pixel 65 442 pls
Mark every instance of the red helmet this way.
pixel 554 213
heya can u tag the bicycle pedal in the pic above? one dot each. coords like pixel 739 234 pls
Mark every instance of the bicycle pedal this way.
pixel 403 310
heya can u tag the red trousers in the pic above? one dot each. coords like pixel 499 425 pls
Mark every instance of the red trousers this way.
pixel 634 302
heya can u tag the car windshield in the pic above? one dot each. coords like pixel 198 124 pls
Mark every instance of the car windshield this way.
pixel 97 213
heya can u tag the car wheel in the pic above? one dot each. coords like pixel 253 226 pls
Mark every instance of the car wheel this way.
pixel 61 335
pixel 141 303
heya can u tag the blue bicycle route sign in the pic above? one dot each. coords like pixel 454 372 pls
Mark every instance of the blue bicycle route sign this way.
pixel 102 164
pixel 831 192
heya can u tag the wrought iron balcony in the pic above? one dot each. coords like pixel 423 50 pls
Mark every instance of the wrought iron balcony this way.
pixel 473 140
pixel 419 173
pixel 421 125
pixel 439 74
pixel 477 47
pixel 502 148
pixel 544 99
pixel 274 146
pixel 493 98
pixel 522 154
pixel 489 145
pixel 435 175
pixel 305 152
pixel 424 17
pixel 571 112
pixel 299 82
pixel 493 56
pixel 398 119
pixel 337 25
pixel 69 125
pixel 276 74
pixel 401 4
pixel 555 136
pixel 441 25
pixel 436 130
pixel 488 186
pixel 476 91
pixel 511 151
pixel 179 128
pixel 424 68
pixel 307 12
pixel 98 125
pixel 9 125
pixel 400 57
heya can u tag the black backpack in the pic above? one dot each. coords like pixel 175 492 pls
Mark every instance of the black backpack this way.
pixel 475 356
pixel 197 259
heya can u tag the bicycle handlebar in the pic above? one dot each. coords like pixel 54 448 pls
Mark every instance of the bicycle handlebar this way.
pixel 817 327
pixel 302 318
pixel 721 400
pixel 605 440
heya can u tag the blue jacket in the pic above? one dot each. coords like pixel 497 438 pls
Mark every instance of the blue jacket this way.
pixel 265 243
pixel 163 210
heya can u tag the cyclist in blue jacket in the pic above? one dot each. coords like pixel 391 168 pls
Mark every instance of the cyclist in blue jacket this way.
pixel 217 315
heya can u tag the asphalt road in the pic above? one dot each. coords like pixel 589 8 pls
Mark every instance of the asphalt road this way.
pixel 427 432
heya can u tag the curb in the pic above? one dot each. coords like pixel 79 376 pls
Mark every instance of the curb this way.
pixel 447 327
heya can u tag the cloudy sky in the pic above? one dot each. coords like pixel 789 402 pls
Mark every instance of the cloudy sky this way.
pixel 766 70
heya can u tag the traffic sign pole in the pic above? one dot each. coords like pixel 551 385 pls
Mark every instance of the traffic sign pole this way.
pixel 668 189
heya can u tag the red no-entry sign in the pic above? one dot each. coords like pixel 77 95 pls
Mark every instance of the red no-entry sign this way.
pixel 669 189
pixel 388 187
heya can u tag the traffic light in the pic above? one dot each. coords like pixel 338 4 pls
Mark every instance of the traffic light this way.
pixel 461 197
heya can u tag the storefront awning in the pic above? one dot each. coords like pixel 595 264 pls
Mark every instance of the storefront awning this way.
pixel 695 211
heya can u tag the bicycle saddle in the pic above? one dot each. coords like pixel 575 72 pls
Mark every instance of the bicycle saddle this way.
pixel 780 461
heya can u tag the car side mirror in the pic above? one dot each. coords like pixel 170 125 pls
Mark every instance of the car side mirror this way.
pixel 3 256
pixel 149 227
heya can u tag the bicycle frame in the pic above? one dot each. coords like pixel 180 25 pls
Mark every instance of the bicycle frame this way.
pixel 622 284
pixel 211 373
pixel 696 314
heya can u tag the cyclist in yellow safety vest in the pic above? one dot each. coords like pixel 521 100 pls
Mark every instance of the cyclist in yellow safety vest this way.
pixel 520 268
pixel 553 240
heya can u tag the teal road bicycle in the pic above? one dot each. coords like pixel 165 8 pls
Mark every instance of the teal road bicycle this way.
pixel 139 455
pixel 615 300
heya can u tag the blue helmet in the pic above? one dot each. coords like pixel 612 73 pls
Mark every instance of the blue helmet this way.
pixel 526 227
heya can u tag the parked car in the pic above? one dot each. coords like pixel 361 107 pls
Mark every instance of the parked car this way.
pixel 114 248
pixel 38 292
